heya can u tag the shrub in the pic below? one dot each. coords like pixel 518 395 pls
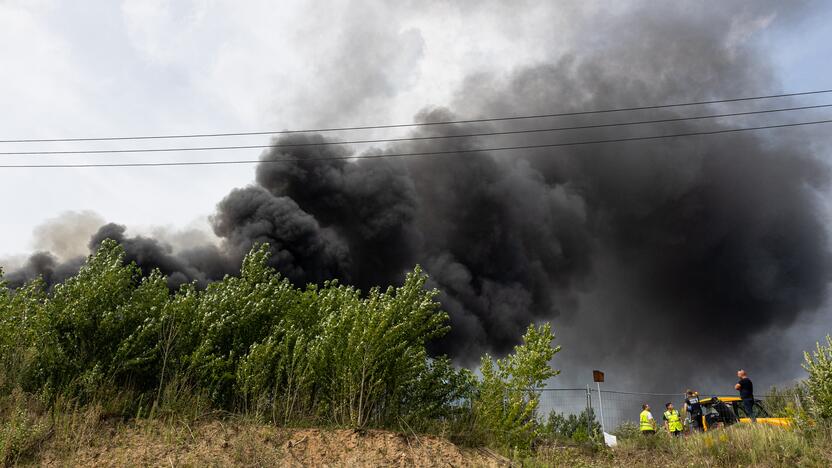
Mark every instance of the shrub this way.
pixel 232 315
pixel 819 384
pixel 254 342
pixel 325 353
pixel 21 430
pixel 627 430
pixel 789 402
pixel 79 331
pixel 17 311
pixel 508 393
pixel 352 360
pixel 578 428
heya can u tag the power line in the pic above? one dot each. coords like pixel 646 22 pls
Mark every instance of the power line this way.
pixel 425 153
pixel 417 124
pixel 392 140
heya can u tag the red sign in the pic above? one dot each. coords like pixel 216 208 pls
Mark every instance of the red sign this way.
pixel 597 376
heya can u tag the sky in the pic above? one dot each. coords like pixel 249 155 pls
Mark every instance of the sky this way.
pixel 115 68
pixel 155 67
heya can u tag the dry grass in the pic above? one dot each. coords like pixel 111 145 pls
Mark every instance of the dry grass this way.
pixel 238 443
pixel 738 446
pixel 69 435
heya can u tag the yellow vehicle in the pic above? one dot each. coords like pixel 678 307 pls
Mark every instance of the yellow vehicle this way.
pixel 725 411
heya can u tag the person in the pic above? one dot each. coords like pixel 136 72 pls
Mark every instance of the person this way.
pixel 646 423
pixel 746 389
pixel 672 422
pixel 693 409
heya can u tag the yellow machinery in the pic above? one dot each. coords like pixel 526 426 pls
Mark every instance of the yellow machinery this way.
pixel 724 411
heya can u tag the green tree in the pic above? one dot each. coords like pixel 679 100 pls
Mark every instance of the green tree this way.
pixel 579 428
pixel 232 315
pixel 506 406
pixel 78 333
pixel 819 366
pixel 18 310
pixel 342 358
pixel 321 354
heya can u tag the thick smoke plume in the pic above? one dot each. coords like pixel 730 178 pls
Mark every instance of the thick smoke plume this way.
pixel 714 240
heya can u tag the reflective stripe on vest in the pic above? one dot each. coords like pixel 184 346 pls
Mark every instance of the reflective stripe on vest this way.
pixel 644 422
pixel 674 424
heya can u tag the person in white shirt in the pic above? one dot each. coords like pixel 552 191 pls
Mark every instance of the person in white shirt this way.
pixel 646 423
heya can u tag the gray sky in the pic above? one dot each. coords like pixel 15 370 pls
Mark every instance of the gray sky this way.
pixel 73 69
pixel 146 67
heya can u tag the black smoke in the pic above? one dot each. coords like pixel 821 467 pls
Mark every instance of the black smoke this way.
pixel 43 265
pixel 201 263
pixel 702 242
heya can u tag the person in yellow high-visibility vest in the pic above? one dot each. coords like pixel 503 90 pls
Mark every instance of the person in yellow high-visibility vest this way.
pixel 672 421
pixel 646 423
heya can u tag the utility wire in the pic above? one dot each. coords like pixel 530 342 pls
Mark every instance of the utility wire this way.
pixel 425 153
pixel 391 140
pixel 417 124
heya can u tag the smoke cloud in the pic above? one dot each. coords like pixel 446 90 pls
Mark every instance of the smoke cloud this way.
pixel 658 247
pixel 66 235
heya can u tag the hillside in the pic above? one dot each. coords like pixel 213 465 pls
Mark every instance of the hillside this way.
pixel 227 443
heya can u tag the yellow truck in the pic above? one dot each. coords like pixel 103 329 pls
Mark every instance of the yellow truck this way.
pixel 725 411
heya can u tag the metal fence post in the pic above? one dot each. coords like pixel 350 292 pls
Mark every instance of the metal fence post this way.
pixel 601 408
pixel 588 411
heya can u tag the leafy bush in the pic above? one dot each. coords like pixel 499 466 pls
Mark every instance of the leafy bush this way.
pixel 251 342
pixel 17 312
pixel 508 393
pixel 112 339
pixel 819 384
pixel 627 430
pixel 791 402
pixel 21 430
pixel 578 428
pixel 233 315
pixel 78 333
pixel 353 360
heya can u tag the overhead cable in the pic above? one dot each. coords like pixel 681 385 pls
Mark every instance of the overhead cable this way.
pixel 414 154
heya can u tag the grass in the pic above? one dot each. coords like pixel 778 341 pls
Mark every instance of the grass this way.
pixel 31 433
pixel 737 446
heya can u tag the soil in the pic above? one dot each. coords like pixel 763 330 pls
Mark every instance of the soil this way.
pixel 220 443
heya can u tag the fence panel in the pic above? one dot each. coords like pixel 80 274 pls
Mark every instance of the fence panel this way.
pixel 564 401
pixel 620 407
pixel 617 407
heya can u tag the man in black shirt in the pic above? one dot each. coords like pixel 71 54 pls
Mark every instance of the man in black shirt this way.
pixel 746 389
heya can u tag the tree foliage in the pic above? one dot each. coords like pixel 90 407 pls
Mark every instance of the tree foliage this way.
pixel 255 343
pixel 508 394
pixel 819 384
pixel 578 428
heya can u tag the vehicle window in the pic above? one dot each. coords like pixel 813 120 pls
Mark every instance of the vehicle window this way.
pixel 709 409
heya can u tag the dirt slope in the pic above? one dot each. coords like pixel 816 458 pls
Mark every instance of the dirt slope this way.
pixel 219 443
